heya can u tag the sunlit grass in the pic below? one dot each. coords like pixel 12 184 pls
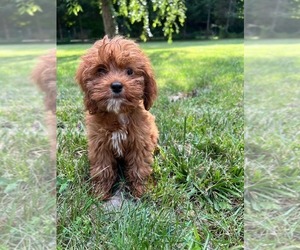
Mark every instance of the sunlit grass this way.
pixel 272 142
pixel 198 200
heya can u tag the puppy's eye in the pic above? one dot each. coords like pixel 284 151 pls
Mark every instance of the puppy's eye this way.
pixel 102 71
pixel 129 72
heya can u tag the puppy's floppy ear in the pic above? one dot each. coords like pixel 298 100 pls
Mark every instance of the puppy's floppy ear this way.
pixel 150 91
pixel 81 78
pixel 90 105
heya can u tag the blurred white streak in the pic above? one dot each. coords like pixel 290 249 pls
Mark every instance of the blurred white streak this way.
pixel 272 122
pixel 27 128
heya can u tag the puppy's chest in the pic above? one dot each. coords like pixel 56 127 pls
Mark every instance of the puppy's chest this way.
pixel 119 136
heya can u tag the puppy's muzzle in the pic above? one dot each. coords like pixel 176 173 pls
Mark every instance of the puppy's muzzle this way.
pixel 116 87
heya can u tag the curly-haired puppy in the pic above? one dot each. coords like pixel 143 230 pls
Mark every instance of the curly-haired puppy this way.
pixel 119 89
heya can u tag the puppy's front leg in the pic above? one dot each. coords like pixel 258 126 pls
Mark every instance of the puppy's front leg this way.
pixel 138 169
pixel 103 172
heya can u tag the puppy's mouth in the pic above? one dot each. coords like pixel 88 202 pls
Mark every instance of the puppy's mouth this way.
pixel 120 99
pixel 114 103
pixel 116 96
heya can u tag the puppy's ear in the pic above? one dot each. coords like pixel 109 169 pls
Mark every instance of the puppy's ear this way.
pixel 81 78
pixel 90 105
pixel 150 91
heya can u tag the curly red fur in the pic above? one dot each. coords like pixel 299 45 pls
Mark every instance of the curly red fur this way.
pixel 120 127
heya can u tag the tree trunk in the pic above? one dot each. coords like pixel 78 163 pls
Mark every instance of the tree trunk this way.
pixel 108 19
pixel 228 16
pixel 275 16
pixel 80 28
pixel 74 36
pixel 184 30
pixel 6 29
pixel 208 19
pixel 61 36
pixel 40 34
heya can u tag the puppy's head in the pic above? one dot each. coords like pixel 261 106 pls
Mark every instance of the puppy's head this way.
pixel 115 76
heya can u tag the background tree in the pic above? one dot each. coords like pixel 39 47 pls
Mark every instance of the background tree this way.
pixel 74 23
pixel 78 20
pixel 107 10
pixel 199 17
pixel 273 18
pixel 27 19
pixel 165 13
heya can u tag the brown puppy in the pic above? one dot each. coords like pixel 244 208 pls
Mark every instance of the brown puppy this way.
pixel 119 89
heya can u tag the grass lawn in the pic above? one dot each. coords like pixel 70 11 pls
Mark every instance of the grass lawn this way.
pixel 198 200
pixel 27 207
pixel 272 144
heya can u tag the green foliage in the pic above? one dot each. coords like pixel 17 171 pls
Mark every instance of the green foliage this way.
pixel 81 19
pixel 28 6
pixel 27 19
pixel 179 19
pixel 73 7
pixel 88 22
pixel 135 11
pixel 169 14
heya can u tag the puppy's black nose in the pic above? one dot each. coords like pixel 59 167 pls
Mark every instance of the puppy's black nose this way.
pixel 116 87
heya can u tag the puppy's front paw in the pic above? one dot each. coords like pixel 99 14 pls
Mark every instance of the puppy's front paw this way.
pixel 137 189
pixel 102 192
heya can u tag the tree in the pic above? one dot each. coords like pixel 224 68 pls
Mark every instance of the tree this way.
pixel 110 25
pixel 82 19
pixel 207 18
pixel 223 12
pixel 271 18
pixel 21 19
pixel 200 16
pixel 78 21
pixel 168 14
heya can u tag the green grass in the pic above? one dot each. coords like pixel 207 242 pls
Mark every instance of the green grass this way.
pixel 272 143
pixel 27 208
pixel 198 200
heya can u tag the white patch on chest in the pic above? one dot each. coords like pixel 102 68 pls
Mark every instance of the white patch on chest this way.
pixel 116 139
pixel 123 119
